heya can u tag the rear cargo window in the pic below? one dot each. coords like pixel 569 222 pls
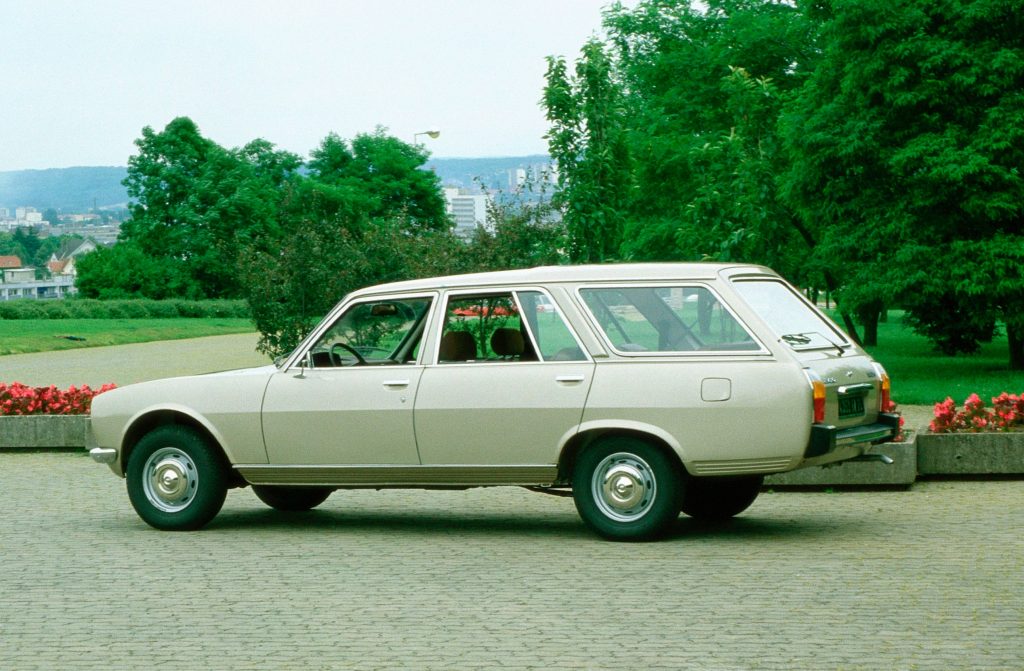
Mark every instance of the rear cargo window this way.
pixel 666 319
pixel 789 316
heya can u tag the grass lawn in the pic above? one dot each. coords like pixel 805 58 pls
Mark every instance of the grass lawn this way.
pixel 20 336
pixel 923 376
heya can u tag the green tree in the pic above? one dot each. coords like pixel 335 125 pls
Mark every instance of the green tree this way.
pixel 587 142
pixel 125 271
pixel 523 230
pixel 194 203
pixel 906 144
pixel 367 212
pixel 51 215
pixel 705 88
pixel 384 173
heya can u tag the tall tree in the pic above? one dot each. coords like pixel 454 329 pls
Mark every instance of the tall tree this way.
pixel 193 201
pixel 367 212
pixel 587 142
pixel 906 145
pixel 386 173
pixel 704 88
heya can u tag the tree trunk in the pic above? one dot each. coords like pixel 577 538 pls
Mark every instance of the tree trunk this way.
pixel 1015 335
pixel 868 315
pixel 830 282
pixel 870 324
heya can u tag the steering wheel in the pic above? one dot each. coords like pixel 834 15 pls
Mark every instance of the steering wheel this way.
pixel 348 348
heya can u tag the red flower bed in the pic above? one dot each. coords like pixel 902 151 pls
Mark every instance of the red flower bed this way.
pixel 20 399
pixel 1006 414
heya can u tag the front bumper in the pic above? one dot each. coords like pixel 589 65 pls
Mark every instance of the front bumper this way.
pixel 103 455
pixel 825 438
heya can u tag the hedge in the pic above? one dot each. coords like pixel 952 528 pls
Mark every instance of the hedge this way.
pixel 136 308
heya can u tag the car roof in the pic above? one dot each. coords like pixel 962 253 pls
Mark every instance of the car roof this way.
pixel 618 272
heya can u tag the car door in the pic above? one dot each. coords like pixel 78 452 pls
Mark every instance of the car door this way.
pixel 349 398
pixel 507 384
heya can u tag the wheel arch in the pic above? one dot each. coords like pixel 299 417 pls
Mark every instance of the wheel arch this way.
pixel 588 435
pixel 153 418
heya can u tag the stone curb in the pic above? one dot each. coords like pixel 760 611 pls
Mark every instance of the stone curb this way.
pixel 43 431
pixel 971 453
pixel 902 472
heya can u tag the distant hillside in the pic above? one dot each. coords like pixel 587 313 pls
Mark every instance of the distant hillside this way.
pixel 491 172
pixel 66 189
pixel 80 189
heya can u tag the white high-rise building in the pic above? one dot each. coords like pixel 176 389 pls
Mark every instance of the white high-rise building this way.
pixel 468 210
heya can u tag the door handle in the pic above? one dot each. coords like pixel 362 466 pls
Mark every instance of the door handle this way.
pixel 395 384
pixel 569 379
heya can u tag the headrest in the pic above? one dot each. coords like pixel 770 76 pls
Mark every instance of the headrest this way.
pixel 507 342
pixel 457 346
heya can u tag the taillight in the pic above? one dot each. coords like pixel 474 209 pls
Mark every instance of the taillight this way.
pixel 817 394
pixel 885 397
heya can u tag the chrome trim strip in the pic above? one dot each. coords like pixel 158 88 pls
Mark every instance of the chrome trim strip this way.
pixel 739 466
pixel 404 476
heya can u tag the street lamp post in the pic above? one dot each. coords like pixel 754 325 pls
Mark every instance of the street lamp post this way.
pixel 433 134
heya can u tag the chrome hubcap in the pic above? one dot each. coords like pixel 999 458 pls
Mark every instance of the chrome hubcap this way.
pixel 623 487
pixel 170 479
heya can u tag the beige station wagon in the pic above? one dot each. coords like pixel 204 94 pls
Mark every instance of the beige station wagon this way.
pixel 643 390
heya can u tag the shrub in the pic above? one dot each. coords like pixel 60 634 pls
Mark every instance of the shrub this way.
pixel 122 308
pixel 1007 414
pixel 20 399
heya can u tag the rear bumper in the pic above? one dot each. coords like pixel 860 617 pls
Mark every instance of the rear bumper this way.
pixel 826 438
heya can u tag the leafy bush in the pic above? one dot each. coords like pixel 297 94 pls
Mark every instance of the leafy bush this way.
pixel 90 308
pixel 21 309
pixel 20 399
pixel 1007 414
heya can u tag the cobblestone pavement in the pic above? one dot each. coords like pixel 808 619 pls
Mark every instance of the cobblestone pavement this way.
pixel 929 578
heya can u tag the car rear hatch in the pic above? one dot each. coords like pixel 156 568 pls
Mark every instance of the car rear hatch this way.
pixel 849 391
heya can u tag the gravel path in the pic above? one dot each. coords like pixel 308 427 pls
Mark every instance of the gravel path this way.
pixel 125 364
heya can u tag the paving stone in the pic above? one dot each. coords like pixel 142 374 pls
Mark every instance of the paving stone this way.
pixel 928 579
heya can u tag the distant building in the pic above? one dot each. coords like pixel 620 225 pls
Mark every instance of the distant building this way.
pixel 537 173
pixel 468 210
pixel 18 282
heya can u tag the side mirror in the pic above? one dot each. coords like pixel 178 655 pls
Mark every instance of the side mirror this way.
pixel 305 362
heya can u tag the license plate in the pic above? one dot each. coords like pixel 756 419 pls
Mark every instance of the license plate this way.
pixel 851 406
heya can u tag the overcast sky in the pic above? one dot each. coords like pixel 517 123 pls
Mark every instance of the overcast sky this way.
pixel 80 79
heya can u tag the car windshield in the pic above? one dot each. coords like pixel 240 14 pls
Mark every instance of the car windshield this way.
pixel 789 316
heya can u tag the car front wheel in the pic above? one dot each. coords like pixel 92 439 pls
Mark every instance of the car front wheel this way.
pixel 716 499
pixel 626 489
pixel 176 480
pixel 291 499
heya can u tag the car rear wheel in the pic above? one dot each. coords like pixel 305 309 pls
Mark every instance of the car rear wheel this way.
pixel 720 498
pixel 176 480
pixel 626 489
pixel 291 499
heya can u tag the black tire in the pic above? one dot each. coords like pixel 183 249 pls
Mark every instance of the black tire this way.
pixel 717 499
pixel 291 499
pixel 627 489
pixel 176 480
